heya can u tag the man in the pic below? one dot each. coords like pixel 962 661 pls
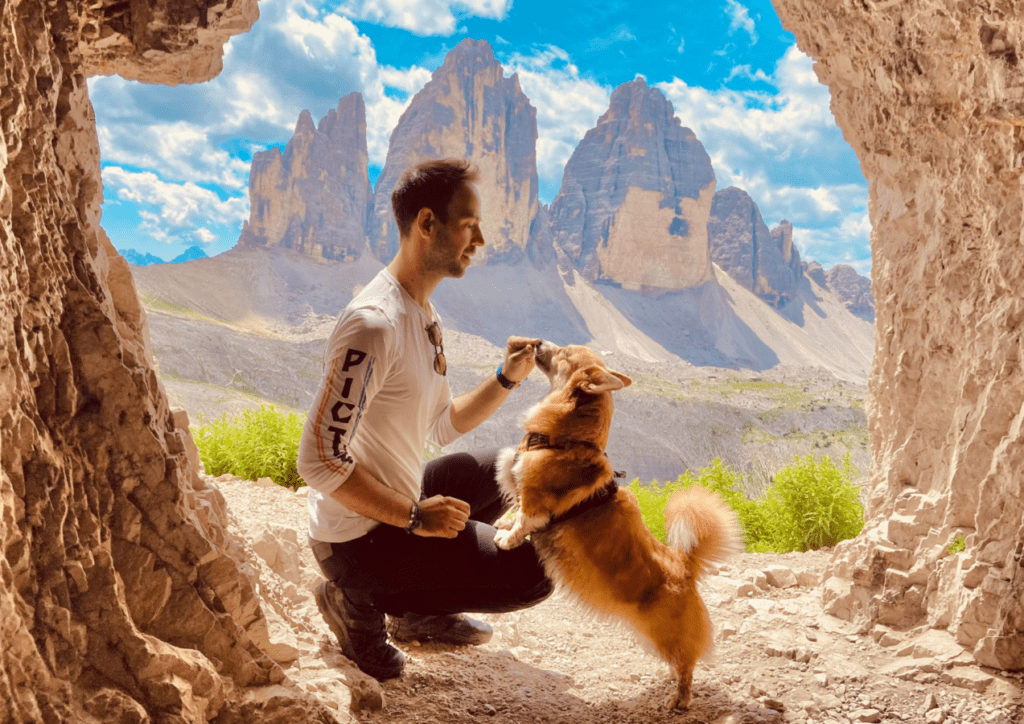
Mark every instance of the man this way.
pixel 391 535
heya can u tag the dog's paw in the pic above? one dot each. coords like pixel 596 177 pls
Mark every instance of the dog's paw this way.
pixel 505 540
pixel 677 700
pixel 504 524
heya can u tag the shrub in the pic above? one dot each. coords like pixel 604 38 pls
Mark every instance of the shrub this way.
pixel 257 444
pixel 653 500
pixel 959 545
pixel 811 504
pixel 808 505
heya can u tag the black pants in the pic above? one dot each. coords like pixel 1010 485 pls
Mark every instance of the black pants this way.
pixel 400 573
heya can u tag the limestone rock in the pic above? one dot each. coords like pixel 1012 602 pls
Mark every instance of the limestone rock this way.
pixel 763 261
pixel 315 197
pixel 853 290
pixel 635 198
pixel 931 97
pixel 121 600
pixel 166 41
pixel 469 109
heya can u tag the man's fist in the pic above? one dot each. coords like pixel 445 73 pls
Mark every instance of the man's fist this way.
pixel 519 359
pixel 443 517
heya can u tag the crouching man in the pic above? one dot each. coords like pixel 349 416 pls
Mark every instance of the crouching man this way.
pixel 394 537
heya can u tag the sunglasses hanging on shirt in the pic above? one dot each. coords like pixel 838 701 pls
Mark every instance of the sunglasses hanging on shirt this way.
pixel 434 335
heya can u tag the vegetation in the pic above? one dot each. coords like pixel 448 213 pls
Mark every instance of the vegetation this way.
pixel 260 443
pixel 808 504
pixel 959 545
pixel 257 444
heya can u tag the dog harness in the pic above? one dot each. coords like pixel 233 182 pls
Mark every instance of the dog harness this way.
pixel 540 441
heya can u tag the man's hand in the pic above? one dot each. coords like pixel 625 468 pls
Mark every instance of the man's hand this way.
pixel 519 360
pixel 443 517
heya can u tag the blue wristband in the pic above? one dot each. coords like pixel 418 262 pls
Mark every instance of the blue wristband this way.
pixel 505 381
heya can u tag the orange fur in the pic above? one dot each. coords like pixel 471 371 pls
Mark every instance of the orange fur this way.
pixel 606 556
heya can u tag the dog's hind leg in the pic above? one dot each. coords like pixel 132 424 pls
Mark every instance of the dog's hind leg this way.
pixel 680 698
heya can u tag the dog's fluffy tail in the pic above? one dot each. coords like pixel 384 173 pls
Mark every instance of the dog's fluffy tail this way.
pixel 701 525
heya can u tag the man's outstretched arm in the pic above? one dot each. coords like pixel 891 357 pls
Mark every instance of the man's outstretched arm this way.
pixel 471 408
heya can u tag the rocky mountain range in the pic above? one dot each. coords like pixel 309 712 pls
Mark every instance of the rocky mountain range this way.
pixel 138 258
pixel 637 208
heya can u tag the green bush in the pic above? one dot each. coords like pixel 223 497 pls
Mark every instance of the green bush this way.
pixel 257 444
pixel 959 545
pixel 808 505
pixel 811 504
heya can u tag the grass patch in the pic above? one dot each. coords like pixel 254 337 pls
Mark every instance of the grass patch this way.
pixel 261 443
pixel 959 545
pixel 807 505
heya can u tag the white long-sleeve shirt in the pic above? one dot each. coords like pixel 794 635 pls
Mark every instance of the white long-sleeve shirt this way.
pixel 379 401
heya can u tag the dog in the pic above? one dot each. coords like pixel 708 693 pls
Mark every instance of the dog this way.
pixel 588 531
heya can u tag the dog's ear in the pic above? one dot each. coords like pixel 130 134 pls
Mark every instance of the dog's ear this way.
pixel 599 380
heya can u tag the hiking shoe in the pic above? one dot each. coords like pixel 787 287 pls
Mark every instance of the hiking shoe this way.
pixel 458 629
pixel 360 631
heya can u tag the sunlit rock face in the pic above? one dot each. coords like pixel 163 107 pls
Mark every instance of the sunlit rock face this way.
pixel 120 596
pixel 930 95
pixel 469 109
pixel 315 197
pixel 635 198
pixel 763 261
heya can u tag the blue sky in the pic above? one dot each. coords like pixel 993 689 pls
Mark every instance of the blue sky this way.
pixel 176 160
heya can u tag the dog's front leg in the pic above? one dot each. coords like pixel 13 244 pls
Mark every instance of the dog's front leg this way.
pixel 521 527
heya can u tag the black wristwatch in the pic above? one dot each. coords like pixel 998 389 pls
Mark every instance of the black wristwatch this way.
pixel 415 518
pixel 505 381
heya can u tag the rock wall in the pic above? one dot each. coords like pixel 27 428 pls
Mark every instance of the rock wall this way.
pixel 314 198
pixel 119 599
pixel 635 197
pixel 469 109
pixel 930 94
pixel 763 261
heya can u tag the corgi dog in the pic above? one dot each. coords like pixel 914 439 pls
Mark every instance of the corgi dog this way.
pixel 588 531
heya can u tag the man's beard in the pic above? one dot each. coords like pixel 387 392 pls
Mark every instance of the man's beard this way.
pixel 444 257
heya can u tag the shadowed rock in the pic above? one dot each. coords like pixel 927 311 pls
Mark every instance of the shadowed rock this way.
pixel 122 598
pixel 763 261
pixel 315 197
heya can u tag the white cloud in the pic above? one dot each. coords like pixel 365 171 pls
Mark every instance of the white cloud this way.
pixel 567 107
pixel 424 17
pixel 178 150
pixel 383 109
pixel 739 19
pixel 842 244
pixel 173 212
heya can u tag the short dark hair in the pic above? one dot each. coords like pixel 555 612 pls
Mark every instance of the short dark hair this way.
pixel 430 185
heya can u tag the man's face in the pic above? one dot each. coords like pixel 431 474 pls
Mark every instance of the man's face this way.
pixel 456 241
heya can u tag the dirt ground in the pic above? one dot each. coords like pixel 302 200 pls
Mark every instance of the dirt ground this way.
pixel 778 657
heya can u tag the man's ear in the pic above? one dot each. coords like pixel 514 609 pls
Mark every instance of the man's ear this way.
pixel 599 380
pixel 425 221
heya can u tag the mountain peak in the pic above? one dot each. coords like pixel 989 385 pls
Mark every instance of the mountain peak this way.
pixel 636 195
pixel 470 110
pixel 304 124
